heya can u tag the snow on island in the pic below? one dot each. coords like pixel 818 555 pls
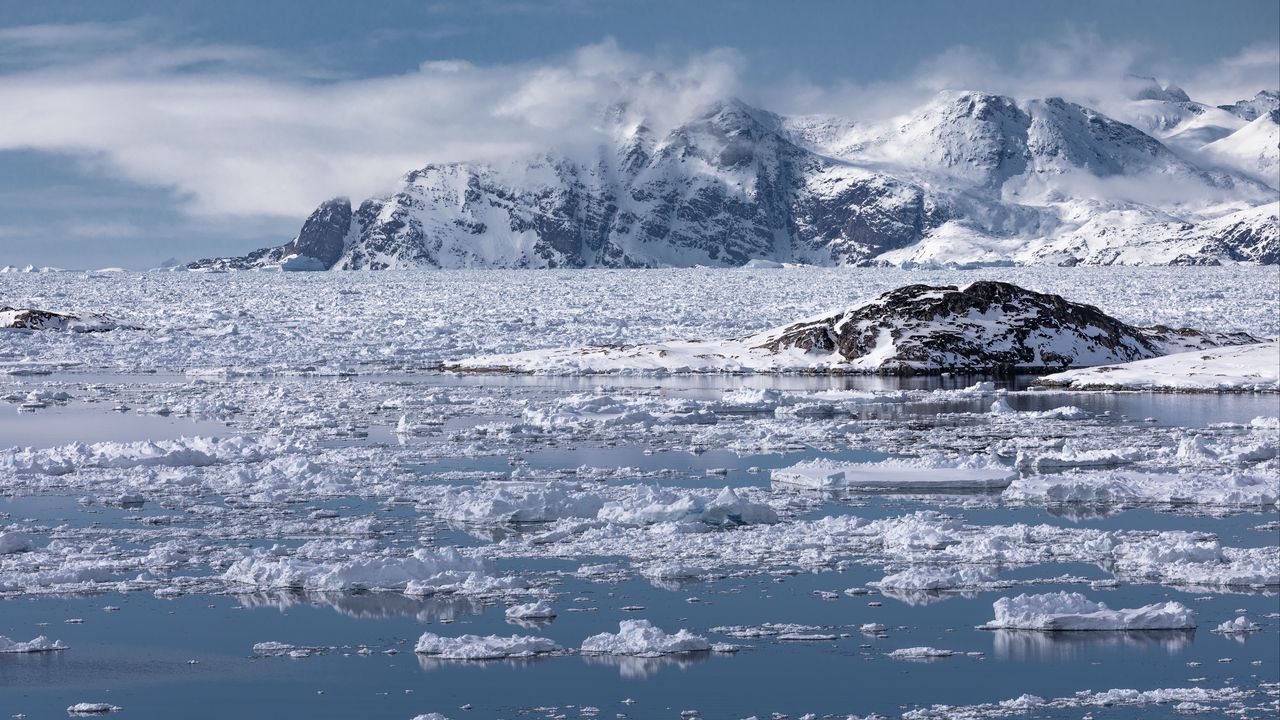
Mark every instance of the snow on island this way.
pixel 985 326
pixel 32 319
pixel 1073 611
pixel 1240 368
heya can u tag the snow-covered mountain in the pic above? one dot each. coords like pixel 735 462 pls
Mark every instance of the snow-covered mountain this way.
pixel 969 178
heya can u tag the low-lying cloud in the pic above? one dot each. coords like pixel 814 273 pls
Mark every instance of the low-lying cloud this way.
pixel 235 130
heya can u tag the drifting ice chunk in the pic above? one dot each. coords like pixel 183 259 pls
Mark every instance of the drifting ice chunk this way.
pixel 1239 626
pixel 640 637
pixel 93 709
pixel 14 541
pixel 933 577
pixel 921 653
pixel 487 647
pixel 540 610
pixel 930 473
pixel 1123 486
pixel 425 572
pixel 39 644
pixel 1073 611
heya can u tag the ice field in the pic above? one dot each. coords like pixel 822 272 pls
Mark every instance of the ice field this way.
pixel 261 493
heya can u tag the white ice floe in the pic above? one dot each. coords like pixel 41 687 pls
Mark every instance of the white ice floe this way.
pixel 273 648
pixel 39 644
pixel 1229 488
pixel 183 452
pixel 93 708
pixel 486 647
pixel 907 474
pixel 937 577
pixel 424 572
pixel 1244 368
pixel 1198 699
pixel 14 541
pixel 539 610
pixel 921 653
pixel 1004 410
pixel 640 637
pixel 1073 611
pixel 1239 626
pixel 639 505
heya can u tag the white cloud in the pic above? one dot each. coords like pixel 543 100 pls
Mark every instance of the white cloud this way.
pixel 231 141
pixel 243 131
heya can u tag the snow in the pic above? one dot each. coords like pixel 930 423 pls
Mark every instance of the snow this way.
pixel 1063 611
pixel 39 644
pixel 488 647
pixel 1244 368
pixel 640 637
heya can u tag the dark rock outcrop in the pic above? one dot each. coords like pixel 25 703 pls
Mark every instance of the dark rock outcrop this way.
pixel 318 245
pixel 31 319
pixel 986 326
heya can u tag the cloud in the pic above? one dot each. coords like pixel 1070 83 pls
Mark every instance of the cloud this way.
pixel 1237 77
pixel 244 131
pixel 229 140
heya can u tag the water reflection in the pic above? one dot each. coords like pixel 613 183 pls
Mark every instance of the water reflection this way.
pixel 638 668
pixel 1077 512
pixel 369 606
pixel 1023 645
pixel 431 663
pixel 920 598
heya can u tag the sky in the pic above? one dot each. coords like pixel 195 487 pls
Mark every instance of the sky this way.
pixel 136 132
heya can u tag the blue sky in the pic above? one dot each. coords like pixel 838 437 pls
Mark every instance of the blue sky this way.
pixel 131 132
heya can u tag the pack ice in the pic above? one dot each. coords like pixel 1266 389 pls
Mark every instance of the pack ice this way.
pixel 983 326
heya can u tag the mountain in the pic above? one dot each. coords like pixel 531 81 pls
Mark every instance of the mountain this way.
pixel 968 178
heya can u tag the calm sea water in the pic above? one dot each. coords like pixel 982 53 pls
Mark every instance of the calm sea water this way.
pixel 191 656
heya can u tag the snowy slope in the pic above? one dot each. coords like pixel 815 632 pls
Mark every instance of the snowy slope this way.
pixel 968 178
pixel 1246 368
pixel 1254 148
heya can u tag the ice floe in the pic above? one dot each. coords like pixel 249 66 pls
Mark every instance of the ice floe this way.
pixel 640 637
pixel 424 572
pixel 1238 626
pixel 1063 611
pixel 927 473
pixel 487 647
pixel 39 644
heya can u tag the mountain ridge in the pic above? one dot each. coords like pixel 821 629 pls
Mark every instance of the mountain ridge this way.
pixel 970 178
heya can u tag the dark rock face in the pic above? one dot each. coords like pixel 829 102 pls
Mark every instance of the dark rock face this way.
pixel 323 239
pixel 324 234
pixel 1262 103
pixel 987 326
pixel 31 319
